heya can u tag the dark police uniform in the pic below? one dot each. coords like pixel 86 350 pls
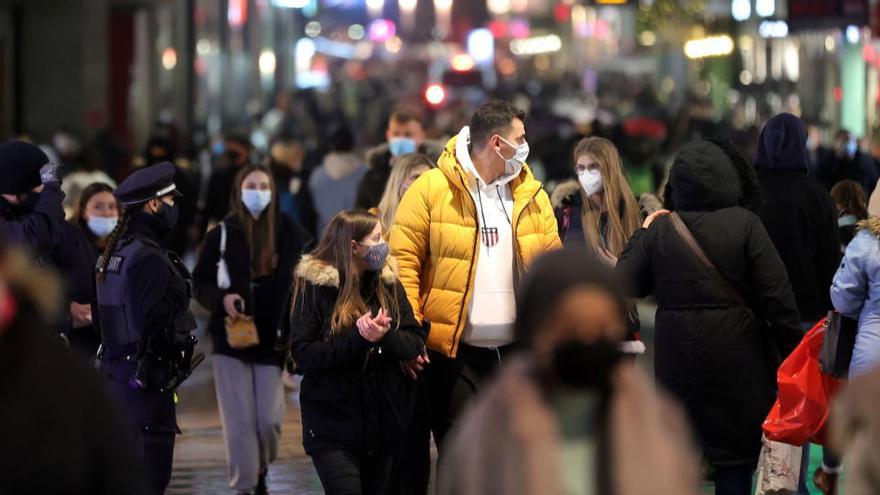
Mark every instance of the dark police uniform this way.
pixel 144 317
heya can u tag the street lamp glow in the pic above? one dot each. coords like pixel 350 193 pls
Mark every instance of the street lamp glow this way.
pixel 291 4
pixel 765 8
pixel 536 45
pixel 267 62
pixel 498 7
pixel 313 29
pixel 374 7
pixel 713 46
pixel 443 5
pixel 407 6
pixel 462 62
pixel 852 34
pixel 356 32
pixel 169 58
pixel 435 94
pixel 481 45
pixel 741 10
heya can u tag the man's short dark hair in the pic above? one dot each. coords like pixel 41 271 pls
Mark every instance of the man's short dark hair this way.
pixel 405 115
pixel 492 118
pixel 341 139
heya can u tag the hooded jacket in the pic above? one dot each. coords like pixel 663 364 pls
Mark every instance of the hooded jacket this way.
pixel 354 395
pixel 711 353
pixel 798 214
pixel 435 236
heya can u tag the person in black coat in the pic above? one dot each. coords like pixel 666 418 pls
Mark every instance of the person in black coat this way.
pixel 714 355
pixel 76 254
pixel 262 246
pixel 60 430
pixel 798 214
pixel 351 327
pixel 31 211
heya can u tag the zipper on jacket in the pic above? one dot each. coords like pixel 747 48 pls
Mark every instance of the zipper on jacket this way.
pixel 458 326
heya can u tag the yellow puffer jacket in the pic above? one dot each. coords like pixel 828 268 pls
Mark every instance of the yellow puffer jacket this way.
pixel 434 238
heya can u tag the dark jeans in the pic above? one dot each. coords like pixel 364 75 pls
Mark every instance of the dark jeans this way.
pixel 735 480
pixel 453 382
pixel 348 473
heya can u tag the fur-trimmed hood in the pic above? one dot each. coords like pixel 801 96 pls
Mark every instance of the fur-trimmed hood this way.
pixel 872 225
pixel 567 190
pixel 324 274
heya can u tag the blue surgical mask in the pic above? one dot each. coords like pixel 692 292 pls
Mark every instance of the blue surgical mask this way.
pixel 102 226
pixel 851 147
pixel 256 200
pixel 401 146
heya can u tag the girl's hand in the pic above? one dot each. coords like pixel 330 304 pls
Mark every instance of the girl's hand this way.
pixel 229 305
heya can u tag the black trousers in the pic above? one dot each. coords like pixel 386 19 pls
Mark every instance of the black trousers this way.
pixel 344 472
pixel 411 471
pixel 151 420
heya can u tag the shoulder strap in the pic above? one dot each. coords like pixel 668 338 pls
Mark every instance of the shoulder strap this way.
pixel 697 251
pixel 222 239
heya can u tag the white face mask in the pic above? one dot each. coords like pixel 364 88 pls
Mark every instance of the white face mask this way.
pixel 591 180
pixel 255 201
pixel 516 162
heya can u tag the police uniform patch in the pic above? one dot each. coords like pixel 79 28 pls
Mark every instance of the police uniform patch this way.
pixel 113 266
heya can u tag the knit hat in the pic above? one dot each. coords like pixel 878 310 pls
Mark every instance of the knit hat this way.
pixel 20 164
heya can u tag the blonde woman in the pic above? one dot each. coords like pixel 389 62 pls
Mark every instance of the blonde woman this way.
pixel 407 169
pixel 598 211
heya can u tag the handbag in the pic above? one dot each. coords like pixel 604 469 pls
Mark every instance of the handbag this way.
pixel 223 280
pixel 778 468
pixel 241 333
pixel 836 353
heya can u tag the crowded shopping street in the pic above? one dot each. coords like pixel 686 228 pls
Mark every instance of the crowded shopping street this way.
pixel 440 247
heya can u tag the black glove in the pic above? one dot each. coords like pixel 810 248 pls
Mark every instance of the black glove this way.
pixel 49 173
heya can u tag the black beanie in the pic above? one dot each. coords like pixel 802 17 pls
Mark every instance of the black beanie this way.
pixel 549 277
pixel 20 164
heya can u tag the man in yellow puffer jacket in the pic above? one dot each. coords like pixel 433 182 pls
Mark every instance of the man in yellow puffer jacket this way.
pixel 464 234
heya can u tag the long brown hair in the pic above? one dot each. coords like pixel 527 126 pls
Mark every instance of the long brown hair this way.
pixel 624 217
pixel 399 173
pixel 261 233
pixel 850 197
pixel 335 250
pixel 80 216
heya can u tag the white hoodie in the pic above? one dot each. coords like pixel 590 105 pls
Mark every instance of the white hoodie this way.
pixel 492 309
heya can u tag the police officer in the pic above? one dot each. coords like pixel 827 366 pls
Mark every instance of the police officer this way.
pixel 143 296
pixel 30 197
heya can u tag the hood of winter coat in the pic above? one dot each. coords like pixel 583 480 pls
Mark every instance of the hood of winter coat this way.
pixel 702 178
pixel 782 144
pixel 321 273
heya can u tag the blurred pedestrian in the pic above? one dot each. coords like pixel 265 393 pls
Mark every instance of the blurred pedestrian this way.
pixel 405 135
pixel 259 247
pixel 852 207
pixel 83 240
pixel 855 432
pixel 334 184
pixel 465 233
pixel 598 210
pixel 61 433
pixel 235 152
pixel 800 218
pixel 710 323
pixel 143 297
pixel 856 289
pixel 848 161
pixel 351 326
pixel 180 239
pixel 407 169
pixel 89 172
pixel 30 197
pixel 291 178
pixel 568 415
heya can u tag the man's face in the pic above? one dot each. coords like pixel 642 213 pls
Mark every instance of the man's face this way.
pixel 20 198
pixel 410 129
pixel 505 142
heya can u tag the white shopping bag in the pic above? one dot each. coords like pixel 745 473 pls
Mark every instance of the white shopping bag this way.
pixel 779 468
pixel 223 281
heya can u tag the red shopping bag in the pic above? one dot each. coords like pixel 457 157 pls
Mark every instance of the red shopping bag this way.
pixel 805 393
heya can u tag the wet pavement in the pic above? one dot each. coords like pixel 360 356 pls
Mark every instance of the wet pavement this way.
pixel 200 455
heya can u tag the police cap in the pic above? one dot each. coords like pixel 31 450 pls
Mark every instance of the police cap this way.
pixel 20 164
pixel 147 183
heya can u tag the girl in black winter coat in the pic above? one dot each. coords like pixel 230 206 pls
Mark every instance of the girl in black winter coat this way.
pixel 351 326
pixel 262 247
pixel 718 357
